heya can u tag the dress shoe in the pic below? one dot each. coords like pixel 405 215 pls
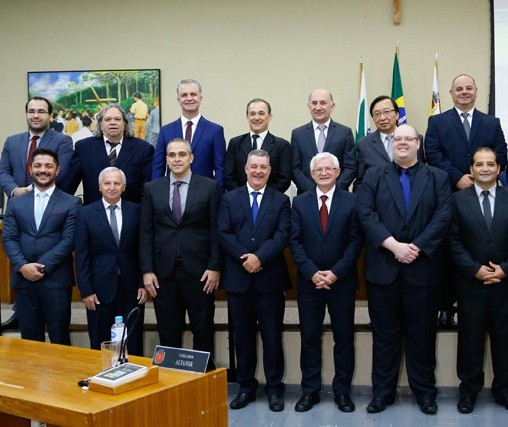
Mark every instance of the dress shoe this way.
pixel 275 403
pixel 12 323
pixel 378 404
pixel 503 401
pixel 242 400
pixel 465 405
pixel 307 401
pixel 428 407
pixel 445 320
pixel 344 403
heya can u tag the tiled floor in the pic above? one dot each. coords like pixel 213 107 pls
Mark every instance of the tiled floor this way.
pixel 404 412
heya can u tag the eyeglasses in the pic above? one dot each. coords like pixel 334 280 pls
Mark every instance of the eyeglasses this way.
pixel 32 112
pixel 385 113
pixel 404 138
pixel 321 170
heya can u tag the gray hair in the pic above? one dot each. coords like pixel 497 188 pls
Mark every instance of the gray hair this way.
pixel 258 153
pixel 100 116
pixel 186 82
pixel 184 141
pixel 110 169
pixel 324 155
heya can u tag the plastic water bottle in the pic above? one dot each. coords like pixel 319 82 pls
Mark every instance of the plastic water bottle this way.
pixel 117 331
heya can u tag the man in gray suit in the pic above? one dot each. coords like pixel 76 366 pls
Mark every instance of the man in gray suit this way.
pixel 322 134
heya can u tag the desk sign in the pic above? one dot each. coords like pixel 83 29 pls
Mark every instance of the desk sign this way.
pixel 181 359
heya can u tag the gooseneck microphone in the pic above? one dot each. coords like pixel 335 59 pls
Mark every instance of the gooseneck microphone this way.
pixel 132 317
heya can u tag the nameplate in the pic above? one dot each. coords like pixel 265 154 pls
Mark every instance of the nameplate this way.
pixel 181 358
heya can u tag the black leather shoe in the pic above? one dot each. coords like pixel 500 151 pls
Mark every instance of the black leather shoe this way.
pixel 307 401
pixel 242 400
pixel 344 403
pixel 11 324
pixel 465 405
pixel 377 404
pixel 428 407
pixel 445 320
pixel 503 401
pixel 275 403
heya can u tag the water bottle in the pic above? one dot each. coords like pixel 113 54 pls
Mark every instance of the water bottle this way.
pixel 117 330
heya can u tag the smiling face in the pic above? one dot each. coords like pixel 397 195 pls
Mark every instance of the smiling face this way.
pixel 37 116
pixel 463 93
pixel 178 158
pixel 44 171
pixel 405 146
pixel 320 106
pixel 189 99
pixel 385 117
pixel 325 173
pixel 258 117
pixel 485 168
pixel 112 186
pixel 257 170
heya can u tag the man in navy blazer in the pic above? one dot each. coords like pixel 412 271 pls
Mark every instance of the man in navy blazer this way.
pixel 448 147
pixel 254 227
pixel 206 138
pixel 322 134
pixel 107 262
pixel 478 236
pixel 405 209
pixel 259 116
pixel 14 179
pixel 326 239
pixel 38 238
pixel 179 249
pixel 112 145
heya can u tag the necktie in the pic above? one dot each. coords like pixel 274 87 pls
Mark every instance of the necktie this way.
pixel 389 146
pixel 465 123
pixel 255 142
pixel 176 206
pixel 255 206
pixel 39 209
pixel 323 212
pixel 188 131
pixel 33 146
pixel 321 138
pixel 487 213
pixel 405 182
pixel 112 153
pixel 114 223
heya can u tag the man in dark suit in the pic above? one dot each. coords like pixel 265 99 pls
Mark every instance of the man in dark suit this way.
pixel 325 241
pixel 450 141
pixel 478 236
pixel 107 261
pixel 206 138
pixel 112 145
pixel 405 209
pixel 322 134
pixel 259 116
pixel 38 238
pixel 179 249
pixel 15 178
pixel 254 226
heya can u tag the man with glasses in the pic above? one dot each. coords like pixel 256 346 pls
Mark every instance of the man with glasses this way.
pixel 405 209
pixel 325 241
pixel 15 177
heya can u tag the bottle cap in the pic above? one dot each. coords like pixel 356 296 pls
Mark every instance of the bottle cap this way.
pixel 118 319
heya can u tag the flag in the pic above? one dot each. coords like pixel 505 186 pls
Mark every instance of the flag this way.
pixel 362 121
pixel 435 102
pixel 397 92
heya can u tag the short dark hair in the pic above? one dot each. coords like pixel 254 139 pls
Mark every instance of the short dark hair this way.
pixel 87 121
pixel 382 98
pixel 40 98
pixel 137 95
pixel 252 101
pixel 487 149
pixel 44 152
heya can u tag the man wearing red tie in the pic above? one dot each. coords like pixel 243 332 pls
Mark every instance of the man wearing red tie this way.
pixel 325 241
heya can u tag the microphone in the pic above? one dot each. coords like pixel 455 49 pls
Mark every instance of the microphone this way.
pixel 122 358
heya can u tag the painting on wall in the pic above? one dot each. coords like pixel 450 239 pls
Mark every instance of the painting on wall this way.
pixel 78 94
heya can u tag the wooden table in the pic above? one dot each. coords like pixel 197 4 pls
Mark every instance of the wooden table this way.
pixel 39 381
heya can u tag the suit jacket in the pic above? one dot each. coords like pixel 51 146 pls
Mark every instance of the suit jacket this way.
pixel 236 158
pixel 194 238
pixel 335 249
pixel 381 211
pixel 339 142
pixel 90 158
pixel 371 152
pixel 472 245
pixel 267 239
pixel 447 147
pixel 51 245
pixel 99 260
pixel 208 147
pixel 15 150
